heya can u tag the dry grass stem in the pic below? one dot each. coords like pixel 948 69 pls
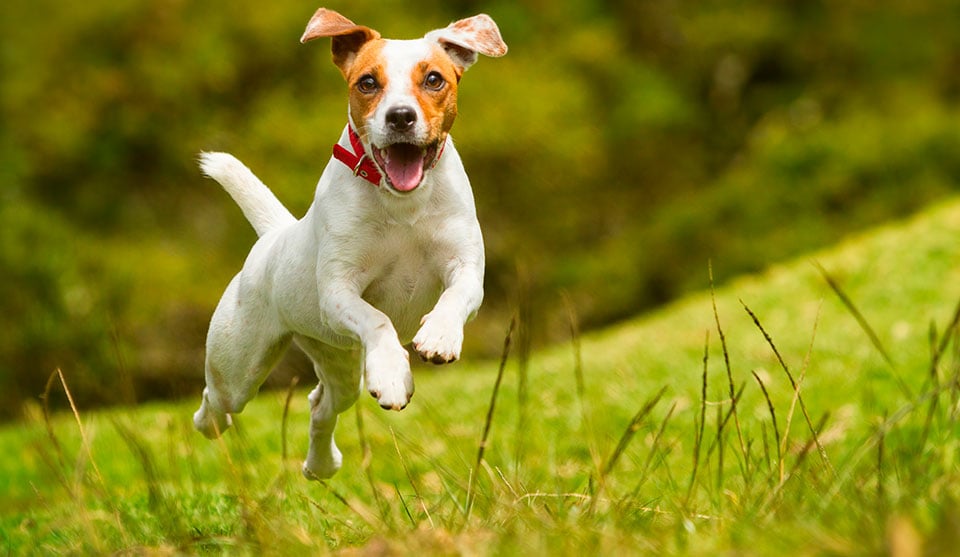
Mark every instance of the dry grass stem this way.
pixel 471 486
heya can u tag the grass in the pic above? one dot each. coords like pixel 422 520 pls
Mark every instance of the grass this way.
pixel 812 409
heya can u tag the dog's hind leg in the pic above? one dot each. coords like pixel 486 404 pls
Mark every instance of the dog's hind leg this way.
pixel 339 386
pixel 244 342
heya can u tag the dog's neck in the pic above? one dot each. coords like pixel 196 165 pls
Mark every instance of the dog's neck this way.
pixel 357 159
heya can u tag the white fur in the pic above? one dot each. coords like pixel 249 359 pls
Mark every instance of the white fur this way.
pixel 352 281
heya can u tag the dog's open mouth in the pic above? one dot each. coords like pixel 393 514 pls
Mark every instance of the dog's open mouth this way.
pixel 405 163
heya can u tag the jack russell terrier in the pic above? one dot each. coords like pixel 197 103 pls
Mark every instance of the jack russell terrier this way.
pixel 392 227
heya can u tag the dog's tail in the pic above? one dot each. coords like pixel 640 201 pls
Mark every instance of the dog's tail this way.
pixel 259 205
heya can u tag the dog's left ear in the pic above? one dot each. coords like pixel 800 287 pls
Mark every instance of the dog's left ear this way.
pixel 466 38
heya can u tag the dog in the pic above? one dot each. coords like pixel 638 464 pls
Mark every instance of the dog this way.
pixel 390 249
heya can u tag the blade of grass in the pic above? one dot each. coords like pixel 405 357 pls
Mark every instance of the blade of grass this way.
pixel 722 419
pixel 796 387
pixel 625 439
pixel 355 507
pixel 654 449
pixel 955 380
pixel 865 326
pixel 726 363
pixel 165 511
pixel 934 379
pixel 801 456
pixel 471 487
pixel 413 484
pixel 365 462
pixel 283 424
pixel 85 441
pixel 774 494
pixel 718 442
pixel 450 481
pixel 525 322
pixel 850 468
pixel 881 494
pixel 945 339
pixel 60 468
pixel 631 430
pixel 581 386
pixel 938 349
pixel 403 504
pixel 88 452
pixel 698 441
pixel 773 418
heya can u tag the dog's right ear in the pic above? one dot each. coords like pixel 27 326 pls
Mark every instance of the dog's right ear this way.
pixel 348 37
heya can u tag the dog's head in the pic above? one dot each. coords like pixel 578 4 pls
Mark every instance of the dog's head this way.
pixel 403 94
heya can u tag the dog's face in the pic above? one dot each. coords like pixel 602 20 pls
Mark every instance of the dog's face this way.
pixel 403 94
pixel 403 101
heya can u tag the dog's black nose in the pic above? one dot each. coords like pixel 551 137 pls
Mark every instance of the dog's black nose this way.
pixel 401 118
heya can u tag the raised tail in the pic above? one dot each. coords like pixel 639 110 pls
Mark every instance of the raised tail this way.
pixel 259 205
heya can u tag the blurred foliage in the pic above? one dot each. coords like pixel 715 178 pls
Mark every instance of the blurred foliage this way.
pixel 614 151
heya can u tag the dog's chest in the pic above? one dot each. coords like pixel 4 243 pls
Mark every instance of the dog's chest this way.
pixel 403 278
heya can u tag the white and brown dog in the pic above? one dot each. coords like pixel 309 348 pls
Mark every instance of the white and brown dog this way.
pixel 392 227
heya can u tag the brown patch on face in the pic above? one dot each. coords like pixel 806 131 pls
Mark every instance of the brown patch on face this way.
pixel 366 70
pixel 438 103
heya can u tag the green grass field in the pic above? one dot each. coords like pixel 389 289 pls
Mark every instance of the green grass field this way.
pixel 677 433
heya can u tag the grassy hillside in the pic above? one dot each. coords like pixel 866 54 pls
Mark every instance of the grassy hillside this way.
pixel 616 148
pixel 585 454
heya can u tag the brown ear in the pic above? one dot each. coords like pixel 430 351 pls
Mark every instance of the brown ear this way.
pixel 466 38
pixel 348 37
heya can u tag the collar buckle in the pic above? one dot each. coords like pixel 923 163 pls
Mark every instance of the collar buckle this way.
pixel 358 160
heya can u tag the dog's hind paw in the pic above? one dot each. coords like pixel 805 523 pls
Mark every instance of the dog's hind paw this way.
pixel 210 423
pixel 322 467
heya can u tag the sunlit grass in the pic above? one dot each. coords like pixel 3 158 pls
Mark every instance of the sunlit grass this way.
pixel 788 413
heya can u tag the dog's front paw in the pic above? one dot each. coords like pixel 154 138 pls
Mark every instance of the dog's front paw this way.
pixel 439 339
pixel 388 376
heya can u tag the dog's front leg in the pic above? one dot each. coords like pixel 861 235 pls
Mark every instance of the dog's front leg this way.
pixel 386 362
pixel 440 337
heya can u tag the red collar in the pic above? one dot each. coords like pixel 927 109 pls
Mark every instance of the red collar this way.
pixel 358 161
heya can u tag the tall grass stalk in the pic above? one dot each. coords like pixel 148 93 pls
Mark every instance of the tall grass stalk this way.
pixel 621 447
pixel 796 389
pixel 284 421
pixel 581 388
pixel 413 482
pixel 773 419
pixel 726 363
pixel 700 426
pixel 865 326
pixel 471 487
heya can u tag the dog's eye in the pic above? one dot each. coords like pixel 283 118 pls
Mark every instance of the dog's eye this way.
pixel 368 84
pixel 434 81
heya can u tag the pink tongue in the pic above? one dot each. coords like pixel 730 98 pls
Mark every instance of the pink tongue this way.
pixel 404 166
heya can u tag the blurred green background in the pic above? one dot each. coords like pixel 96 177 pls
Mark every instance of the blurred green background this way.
pixel 614 151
